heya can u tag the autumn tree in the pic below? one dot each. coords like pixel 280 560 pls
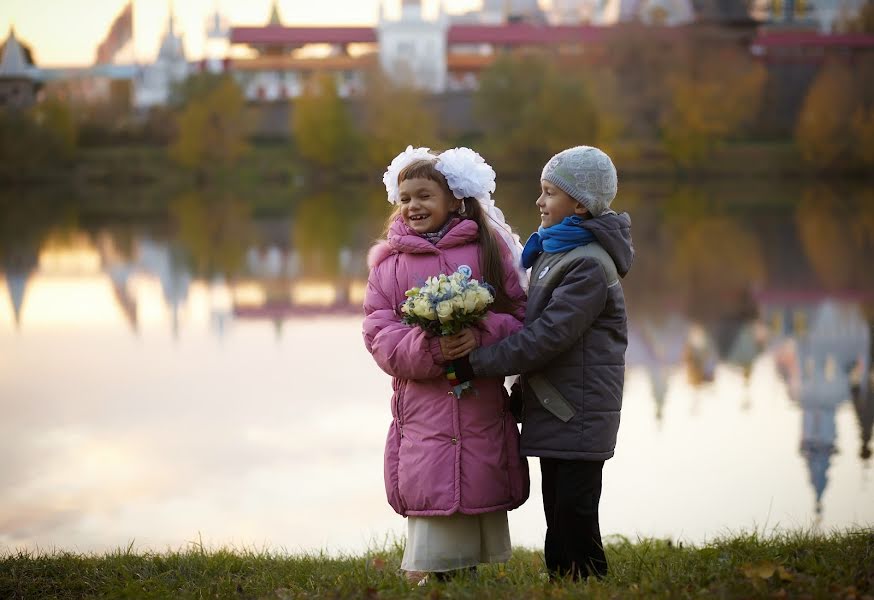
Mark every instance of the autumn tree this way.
pixel 322 226
pixel 212 131
pixel 322 129
pixel 394 116
pixel 709 99
pixel 45 135
pixel 214 230
pixel 710 256
pixel 531 109
pixel 864 21
pixel 862 125
pixel 837 234
pixel 642 59
pixel 56 118
pixel 823 133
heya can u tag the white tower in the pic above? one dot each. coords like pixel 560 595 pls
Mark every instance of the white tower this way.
pixel 153 86
pixel 218 41
pixel 412 51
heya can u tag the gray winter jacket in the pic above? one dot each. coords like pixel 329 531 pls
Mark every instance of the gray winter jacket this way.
pixel 571 353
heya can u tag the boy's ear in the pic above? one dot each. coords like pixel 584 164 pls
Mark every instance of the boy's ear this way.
pixel 581 210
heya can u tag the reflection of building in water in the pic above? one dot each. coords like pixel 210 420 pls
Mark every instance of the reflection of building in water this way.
pixel 167 262
pixel 119 269
pixel 18 267
pixel 658 346
pixel 817 365
pixel 863 398
pixel 272 285
pixel 276 288
pixel 700 356
pixel 741 336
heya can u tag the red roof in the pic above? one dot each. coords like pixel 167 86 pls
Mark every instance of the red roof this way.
pixel 812 38
pixel 524 33
pixel 275 35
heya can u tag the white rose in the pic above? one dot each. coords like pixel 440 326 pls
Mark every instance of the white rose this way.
pixel 470 301
pixel 483 298
pixel 457 303
pixel 432 286
pixel 444 311
pixel 425 311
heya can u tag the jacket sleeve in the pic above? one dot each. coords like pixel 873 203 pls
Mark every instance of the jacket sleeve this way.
pixel 399 349
pixel 575 303
pixel 496 326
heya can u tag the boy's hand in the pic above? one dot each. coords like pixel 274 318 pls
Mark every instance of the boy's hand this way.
pixel 458 345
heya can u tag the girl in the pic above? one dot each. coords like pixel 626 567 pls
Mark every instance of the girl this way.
pixel 452 464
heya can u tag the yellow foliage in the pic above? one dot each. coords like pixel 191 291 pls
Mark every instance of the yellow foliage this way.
pixel 322 128
pixel 56 118
pixel 824 131
pixel 716 257
pixel 321 227
pixel 211 129
pixel 837 234
pixel 531 110
pixel 215 232
pixel 709 102
pixel 395 116
pixel 863 132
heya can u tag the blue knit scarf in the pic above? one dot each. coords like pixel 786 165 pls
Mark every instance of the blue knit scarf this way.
pixel 565 236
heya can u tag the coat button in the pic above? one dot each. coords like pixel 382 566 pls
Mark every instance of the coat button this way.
pixel 546 400
pixel 454 441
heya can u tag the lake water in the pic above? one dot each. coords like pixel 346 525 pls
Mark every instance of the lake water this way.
pixel 193 369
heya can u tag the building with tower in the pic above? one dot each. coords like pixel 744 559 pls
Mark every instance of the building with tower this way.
pixel 18 82
pixel 218 46
pixel 154 82
pixel 412 50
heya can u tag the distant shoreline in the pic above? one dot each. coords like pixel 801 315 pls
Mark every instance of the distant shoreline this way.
pixel 273 163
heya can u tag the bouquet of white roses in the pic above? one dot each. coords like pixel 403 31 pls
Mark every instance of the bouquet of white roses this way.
pixel 446 304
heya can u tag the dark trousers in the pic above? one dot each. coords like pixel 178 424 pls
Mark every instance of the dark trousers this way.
pixel 571 493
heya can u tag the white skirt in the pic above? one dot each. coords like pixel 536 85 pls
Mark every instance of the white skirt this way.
pixel 456 542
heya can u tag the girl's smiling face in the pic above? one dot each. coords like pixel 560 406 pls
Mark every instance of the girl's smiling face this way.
pixel 556 205
pixel 425 205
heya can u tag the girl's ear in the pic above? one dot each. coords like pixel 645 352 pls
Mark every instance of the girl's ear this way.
pixel 581 210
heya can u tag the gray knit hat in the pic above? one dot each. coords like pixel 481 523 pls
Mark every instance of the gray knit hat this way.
pixel 586 174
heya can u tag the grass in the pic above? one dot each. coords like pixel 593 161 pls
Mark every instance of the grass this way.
pixel 794 565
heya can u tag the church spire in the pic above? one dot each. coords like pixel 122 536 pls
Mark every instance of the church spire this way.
pixel 170 18
pixel 275 18
pixel 13 63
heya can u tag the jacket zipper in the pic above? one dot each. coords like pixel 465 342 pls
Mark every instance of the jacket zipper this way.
pixel 400 407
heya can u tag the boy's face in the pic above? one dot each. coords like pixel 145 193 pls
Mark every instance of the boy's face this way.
pixel 556 205
pixel 425 205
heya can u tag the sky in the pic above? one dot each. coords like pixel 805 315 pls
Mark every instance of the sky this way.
pixel 67 32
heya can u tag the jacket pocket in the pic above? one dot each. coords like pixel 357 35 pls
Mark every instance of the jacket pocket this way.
pixel 550 398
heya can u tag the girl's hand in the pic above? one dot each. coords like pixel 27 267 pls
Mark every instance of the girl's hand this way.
pixel 458 345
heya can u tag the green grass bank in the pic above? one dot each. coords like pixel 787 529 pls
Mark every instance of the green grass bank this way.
pixel 789 565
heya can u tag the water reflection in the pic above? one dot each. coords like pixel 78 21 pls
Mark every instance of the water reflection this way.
pixel 825 359
pixel 183 404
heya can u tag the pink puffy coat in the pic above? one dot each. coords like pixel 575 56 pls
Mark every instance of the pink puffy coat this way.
pixel 442 454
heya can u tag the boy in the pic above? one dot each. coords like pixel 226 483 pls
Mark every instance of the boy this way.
pixel 571 353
